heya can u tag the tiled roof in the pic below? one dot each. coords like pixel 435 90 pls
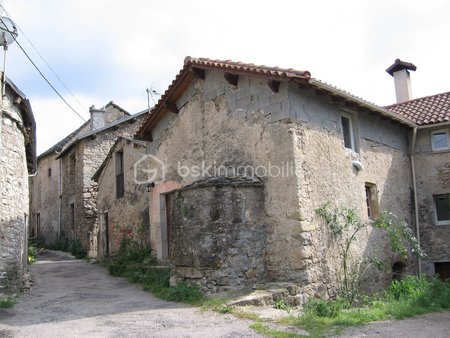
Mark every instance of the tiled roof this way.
pixel 248 68
pixel 426 110
pixel 185 76
pixel 236 68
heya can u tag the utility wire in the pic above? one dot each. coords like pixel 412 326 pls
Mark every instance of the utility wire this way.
pixel 42 58
pixel 42 75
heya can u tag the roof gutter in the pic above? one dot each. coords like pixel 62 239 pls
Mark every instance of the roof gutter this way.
pixel 416 204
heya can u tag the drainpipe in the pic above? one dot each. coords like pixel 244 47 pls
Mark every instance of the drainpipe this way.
pixel 59 197
pixel 416 204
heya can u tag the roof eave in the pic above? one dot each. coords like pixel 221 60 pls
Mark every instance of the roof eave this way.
pixel 361 102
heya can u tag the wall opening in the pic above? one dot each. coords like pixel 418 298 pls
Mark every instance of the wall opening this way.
pixel 442 269
pixel 72 216
pixel 372 200
pixel 72 167
pixel 398 270
pixel 120 180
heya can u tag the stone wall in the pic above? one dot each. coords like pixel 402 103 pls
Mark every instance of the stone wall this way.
pixel 217 234
pixel 128 216
pixel 433 178
pixel 14 203
pixel 46 188
pixel 298 134
pixel 326 173
pixel 45 200
pixel 90 152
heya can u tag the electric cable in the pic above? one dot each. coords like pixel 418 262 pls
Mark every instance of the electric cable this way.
pixel 43 76
pixel 42 58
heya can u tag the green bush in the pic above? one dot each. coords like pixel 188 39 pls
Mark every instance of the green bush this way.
pixel 134 261
pixel 32 254
pixel 77 249
pixel 403 299
pixel 323 308
pixel 408 288
pixel 6 303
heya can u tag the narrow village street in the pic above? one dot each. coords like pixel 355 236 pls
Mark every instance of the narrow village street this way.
pixel 73 298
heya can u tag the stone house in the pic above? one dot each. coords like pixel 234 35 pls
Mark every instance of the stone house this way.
pixel 18 161
pixel 74 160
pixel 241 157
pixel 431 163
pixel 45 221
pixel 122 204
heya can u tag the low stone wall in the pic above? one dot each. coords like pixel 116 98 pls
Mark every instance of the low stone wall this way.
pixel 217 234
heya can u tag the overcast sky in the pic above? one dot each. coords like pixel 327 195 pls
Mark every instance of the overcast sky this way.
pixel 107 50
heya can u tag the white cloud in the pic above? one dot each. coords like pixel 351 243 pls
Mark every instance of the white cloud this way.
pixel 113 50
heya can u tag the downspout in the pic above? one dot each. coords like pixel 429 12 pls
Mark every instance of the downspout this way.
pixel 416 204
pixel 59 198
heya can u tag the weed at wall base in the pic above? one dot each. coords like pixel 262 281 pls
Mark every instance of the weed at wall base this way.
pixel 134 261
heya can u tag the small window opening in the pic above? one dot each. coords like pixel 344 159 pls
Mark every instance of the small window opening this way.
pixel 442 269
pixel 442 206
pixel 120 181
pixel 49 172
pixel 371 200
pixel 398 270
pixel 439 140
pixel 72 215
pixel 347 131
pixel 72 167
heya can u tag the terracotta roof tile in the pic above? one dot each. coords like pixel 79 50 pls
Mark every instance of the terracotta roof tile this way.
pixel 247 68
pixel 425 110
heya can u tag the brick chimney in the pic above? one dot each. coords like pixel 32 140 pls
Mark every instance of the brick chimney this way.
pixel 98 118
pixel 400 71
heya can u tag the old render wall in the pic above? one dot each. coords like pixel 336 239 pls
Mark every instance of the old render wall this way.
pixel 90 153
pixel 14 198
pixel 128 216
pixel 433 178
pixel 294 130
pixel 325 174
pixel 45 200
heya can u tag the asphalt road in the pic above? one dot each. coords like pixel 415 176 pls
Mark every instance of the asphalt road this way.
pixel 74 298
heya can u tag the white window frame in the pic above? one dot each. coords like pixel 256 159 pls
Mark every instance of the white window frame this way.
pixel 439 131
pixel 352 131
pixel 443 222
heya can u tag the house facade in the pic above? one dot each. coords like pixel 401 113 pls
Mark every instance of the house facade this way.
pixel 46 189
pixel 79 162
pixel 64 199
pixel 122 206
pixel 432 174
pixel 18 161
pixel 306 142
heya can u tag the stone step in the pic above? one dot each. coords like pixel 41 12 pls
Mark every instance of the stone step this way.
pixel 269 294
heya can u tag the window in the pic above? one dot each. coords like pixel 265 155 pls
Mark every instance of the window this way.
pixel 439 140
pixel 371 200
pixel 347 131
pixel 49 172
pixel 72 167
pixel 72 215
pixel 442 206
pixel 120 183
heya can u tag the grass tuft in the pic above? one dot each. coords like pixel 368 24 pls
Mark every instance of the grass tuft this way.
pixel 403 299
pixel 134 262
